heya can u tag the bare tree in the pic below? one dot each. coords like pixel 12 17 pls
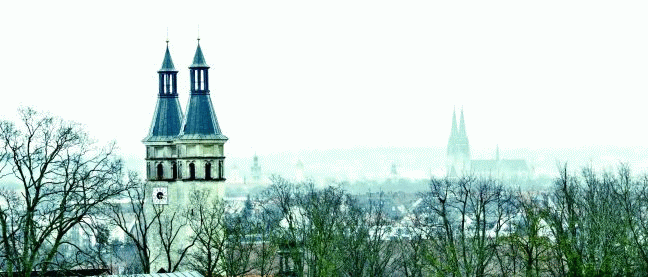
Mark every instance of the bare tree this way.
pixel 564 221
pixel 437 221
pixel 282 195
pixel 411 254
pixel 529 243
pixel 594 222
pixel 320 212
pixel 208 232
pixel 64 178
pixel 379 249
pixel 264 253
pixel 327 232
pixel 131 216
pixel 355 236
pixel 238 246
pixel 85 246
pixel 172 225
pixel 463 219
pixel 632 199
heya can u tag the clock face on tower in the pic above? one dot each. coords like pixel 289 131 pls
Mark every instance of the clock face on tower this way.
pixel 160 196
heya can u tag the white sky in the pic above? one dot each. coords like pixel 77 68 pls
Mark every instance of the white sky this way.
pixel 289 75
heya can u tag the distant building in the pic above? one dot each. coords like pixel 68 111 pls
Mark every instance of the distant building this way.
pixel 393 173
pixel 459 162
pixel 255 170
pixel 299 171
pixel 394 170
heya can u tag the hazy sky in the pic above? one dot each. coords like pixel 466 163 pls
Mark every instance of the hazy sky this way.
pixel 290 75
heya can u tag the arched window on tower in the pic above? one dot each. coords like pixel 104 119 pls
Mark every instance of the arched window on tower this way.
pixel 174 168
pixel 207 171
pixel 160 171
pixel 192 171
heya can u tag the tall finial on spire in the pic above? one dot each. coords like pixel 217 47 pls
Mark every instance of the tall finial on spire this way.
pixel 198 33
pixel 167 40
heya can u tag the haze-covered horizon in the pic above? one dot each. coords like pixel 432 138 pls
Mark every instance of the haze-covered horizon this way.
pixel 373 165
pixel 290 76
pixel 419 163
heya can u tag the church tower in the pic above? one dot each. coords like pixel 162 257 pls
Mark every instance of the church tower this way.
pixel 184 153
pixel 255 170
pixel 201 155
pixel 458 150
pixel 161 151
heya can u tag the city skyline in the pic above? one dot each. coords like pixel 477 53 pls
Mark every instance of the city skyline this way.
pixel 291 76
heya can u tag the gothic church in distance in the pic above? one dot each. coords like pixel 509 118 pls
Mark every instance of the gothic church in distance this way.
pixel 459 162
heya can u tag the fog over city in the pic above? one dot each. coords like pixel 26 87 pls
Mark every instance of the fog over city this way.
pixel 323 138
pixel 546 82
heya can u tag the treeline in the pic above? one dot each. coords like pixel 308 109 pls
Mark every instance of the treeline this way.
pixel 73 196
pixel 588 224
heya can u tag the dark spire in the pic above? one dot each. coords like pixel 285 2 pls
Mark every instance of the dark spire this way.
pixel 199 73
pixel 167 63
pixel 167 118
pixel 199 59
pixel 200 122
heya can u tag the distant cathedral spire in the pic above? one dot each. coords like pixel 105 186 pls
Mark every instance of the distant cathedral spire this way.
pixel 454 133
pixel 462 125
pixel 463 146
pixel 458 151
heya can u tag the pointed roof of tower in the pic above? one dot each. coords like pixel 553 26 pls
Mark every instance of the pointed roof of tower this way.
pixel 454 132
pixel 199 59
pixel 201 122
pixel 462 125
pixel 167 118
pixel 167 63
pixel 463 147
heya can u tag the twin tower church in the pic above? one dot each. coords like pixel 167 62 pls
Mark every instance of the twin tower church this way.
pixel 184 148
